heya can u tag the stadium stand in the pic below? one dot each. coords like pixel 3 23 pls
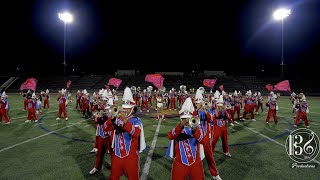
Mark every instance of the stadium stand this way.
pixel 230 83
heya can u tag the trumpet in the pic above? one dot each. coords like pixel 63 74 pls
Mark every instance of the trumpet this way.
pixel 100 113
pixel 194 121
pixel 115 110
pixel 206 105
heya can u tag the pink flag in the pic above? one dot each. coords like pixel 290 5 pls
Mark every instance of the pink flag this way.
pixel 30 83
pixel 282 86
pixel 269 87
pixel 155 79
pixel 68 84
pixel 209 82
pixel 221 87
pixel 114 82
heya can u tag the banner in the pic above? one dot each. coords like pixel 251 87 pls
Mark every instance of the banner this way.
pixel 114 82
pixel 221 87
pixel 269 87
pixel 68 84
pixel 282 86
pixel 30 83
pixel 155 79
pixel 209 82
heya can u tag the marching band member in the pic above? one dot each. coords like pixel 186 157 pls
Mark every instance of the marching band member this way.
pixel 32 102
pixel 248 106
pixel 127 134
pixel 85 101
pixel 185 147
pixel 39 102
pixel 78 98
pixel 154 97
pixel 115 99
pixel 292 97
pixel 236 101
pixel 137 96
pixel 205 128
pixel 46 99
pixel 260 102
pixel 62 101
pixel 99 105
pixel 26 96
pixel 149 94
pixel 273 107
pixel 160 102
pixel 220 120
pixel 103 142
pixel 228 106
pixel 303 109
pixel 145 101
pixel 4 107
pixel 172 97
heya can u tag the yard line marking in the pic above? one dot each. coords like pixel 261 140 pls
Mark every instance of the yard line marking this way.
pixel 37 137
pixel 18 117
pixel 272 140
pixel 289 130
pixel 261 134
pixel 314 123
pixel 87 125
pixel 54 124
pixel 269 129
pixel 147 164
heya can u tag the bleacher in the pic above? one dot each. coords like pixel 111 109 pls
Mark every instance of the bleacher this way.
pixel 230 83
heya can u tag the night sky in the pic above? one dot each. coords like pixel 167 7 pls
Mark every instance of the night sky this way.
pixel 240 38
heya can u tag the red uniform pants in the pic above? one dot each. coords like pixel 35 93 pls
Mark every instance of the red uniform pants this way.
pixel 303 116
pixel 128 165
pixel 181 171
pixel 273 113
pixel 223 133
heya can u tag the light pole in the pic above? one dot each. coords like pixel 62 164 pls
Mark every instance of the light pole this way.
pixel 66 18
pixel 281 14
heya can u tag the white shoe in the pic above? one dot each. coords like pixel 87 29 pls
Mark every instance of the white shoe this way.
pixel 147 110
pixel 253 120
pixel 227 154
pixel 66 119
pixel 307 126
pixel 36 121
pixel 57 118
pixel 28 121
pixel 294 125
pixel 267 122
pixel 231 124
pixel 94 150
pixel 94 170
pixel 216 177
pixel 8 122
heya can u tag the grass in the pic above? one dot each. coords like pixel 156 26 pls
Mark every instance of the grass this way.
pixel 52 149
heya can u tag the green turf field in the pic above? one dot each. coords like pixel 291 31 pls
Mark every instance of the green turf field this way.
pixel 52 149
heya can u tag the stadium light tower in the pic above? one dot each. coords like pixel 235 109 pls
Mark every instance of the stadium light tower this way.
pixel 66 18
pixel 281 14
